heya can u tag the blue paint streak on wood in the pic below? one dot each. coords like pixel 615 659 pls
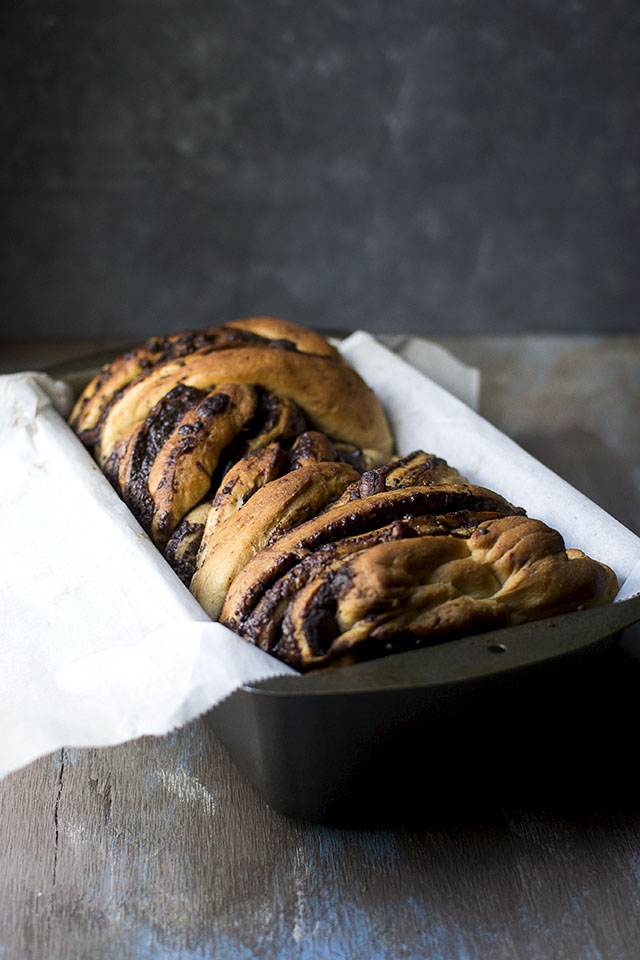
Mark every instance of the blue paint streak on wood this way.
pixel 330 926
pixel 70 755
pixel 146 943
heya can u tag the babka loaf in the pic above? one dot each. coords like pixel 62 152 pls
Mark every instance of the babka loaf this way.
pixel 261 465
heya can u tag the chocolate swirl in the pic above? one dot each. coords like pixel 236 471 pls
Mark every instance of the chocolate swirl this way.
pixel 218 413
pixel 316 598
pixel 260 464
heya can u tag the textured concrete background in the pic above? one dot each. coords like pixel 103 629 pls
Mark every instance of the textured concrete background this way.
pixel 440 166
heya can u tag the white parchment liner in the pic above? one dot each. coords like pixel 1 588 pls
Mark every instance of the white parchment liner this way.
pixel 101 643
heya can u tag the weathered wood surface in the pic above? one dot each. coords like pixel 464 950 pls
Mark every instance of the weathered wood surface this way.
pixel 159 849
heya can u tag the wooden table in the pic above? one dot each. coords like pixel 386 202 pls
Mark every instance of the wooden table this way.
pixel 159 849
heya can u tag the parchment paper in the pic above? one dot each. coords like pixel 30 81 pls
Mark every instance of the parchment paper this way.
pixel 99 640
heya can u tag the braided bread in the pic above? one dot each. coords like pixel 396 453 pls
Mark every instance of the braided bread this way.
pixel 260 464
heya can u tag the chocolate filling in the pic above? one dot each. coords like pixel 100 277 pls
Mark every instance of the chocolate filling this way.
pixel 155 431
pixel 182 550
pixel 262 624
pixel 370 514
pixel 264 420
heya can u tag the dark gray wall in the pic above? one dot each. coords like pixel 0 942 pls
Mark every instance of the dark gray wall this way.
pixel 443 166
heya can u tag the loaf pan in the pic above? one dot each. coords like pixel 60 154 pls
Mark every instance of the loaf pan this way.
pixel 406 734
pixel 462 721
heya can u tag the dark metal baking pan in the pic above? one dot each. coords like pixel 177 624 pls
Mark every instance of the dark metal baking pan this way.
pixel 431 726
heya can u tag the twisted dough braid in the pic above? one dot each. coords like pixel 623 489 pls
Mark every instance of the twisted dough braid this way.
pixel 409 554
pixel 169 417
pixel 260 464
pixel 275 355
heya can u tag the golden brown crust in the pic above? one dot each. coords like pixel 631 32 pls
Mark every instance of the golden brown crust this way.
pixel 116 376
pixel 405 591
pixel 271 334
pixel 274 328
pixel 259 462
pixel 333 397
pixel 240 483
pixel 538 575
pixel 181 472
pixel 273 509
pixel 348 519
pixel 142 416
